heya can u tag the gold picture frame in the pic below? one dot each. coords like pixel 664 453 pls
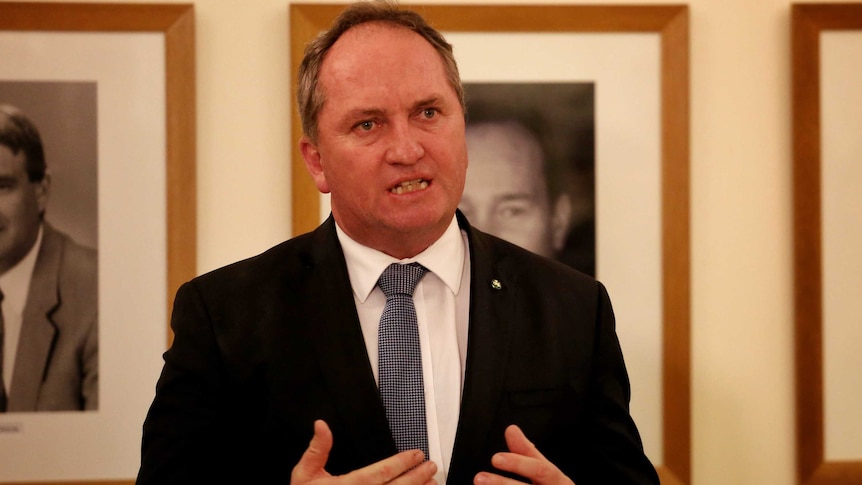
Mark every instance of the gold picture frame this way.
pixel 809 21
pixel 175 22
pixel 670 22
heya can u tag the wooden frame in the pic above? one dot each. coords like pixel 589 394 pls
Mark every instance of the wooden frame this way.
pixel 671 23
pixel 808 22
pixel 176 23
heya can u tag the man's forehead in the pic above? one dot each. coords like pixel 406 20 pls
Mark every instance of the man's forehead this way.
pixel 371 61
pixel 505 147
pixel 371 40
pixel 505 134
pixel 372 30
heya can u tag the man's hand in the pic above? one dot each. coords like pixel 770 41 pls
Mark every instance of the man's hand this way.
pixel 523 459
pixel 405 468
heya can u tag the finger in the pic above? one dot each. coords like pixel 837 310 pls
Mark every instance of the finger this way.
pixel 423 474
pixel 532 468
pixel 518 443
pixel 486 478
pixel 525 460
pixel 395 466
pixel 314 459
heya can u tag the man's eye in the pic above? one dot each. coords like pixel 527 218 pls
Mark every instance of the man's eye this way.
pixel 429 113
pixel 512 210
pixel 365 125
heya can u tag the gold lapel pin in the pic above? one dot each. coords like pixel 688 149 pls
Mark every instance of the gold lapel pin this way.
pixel 495 284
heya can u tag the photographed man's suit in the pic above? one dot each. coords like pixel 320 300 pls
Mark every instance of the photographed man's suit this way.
pixel 56 366
pixel 265 346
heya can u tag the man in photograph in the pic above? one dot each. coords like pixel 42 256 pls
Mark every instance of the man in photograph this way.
pixel 395 343
pixel 506 193
pixel 530 182
pixel 48 286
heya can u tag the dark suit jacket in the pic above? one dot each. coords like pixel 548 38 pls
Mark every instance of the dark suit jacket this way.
pixel 265 346
pixel 56 366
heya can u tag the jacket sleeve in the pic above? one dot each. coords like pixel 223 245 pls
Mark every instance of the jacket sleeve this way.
pixel 181 431
pixel 614 450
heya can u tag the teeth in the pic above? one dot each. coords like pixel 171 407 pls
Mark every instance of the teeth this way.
pixel 409 186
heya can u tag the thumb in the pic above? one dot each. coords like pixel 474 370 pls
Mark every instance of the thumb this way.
pixel 313 461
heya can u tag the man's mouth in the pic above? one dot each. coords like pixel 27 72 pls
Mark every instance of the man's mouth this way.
pixel 409 186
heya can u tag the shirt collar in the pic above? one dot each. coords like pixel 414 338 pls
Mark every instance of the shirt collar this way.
pixel 444 258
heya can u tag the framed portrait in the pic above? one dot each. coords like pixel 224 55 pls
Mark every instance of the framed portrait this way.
pixel 110 90
pixel 827 177
pixel 618 76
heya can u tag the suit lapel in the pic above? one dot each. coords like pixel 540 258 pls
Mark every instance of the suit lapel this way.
pixel 37 330
pixel 492 313
pixel 337 339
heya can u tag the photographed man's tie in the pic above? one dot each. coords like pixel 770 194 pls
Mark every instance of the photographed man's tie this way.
pixel 400 358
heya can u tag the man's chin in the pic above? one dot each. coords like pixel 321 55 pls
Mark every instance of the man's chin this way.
pixel 419 223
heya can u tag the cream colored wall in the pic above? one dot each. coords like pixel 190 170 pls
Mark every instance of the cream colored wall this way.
pixel 742 403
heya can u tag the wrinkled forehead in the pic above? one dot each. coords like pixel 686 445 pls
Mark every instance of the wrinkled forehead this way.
pixel 505 155
pixel 380 63
pixel 508 140
pixel 361 45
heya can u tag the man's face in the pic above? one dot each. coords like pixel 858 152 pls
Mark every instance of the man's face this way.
pixel 506 194
pixel 390 145
pixel 21 203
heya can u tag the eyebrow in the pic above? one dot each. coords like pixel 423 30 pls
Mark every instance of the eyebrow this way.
pixel 370 112
pixel 517 197
pixel 363 113
pixel 350 118
pixel 427 102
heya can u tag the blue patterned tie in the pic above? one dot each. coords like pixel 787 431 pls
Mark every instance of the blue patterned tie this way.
pixel 400 358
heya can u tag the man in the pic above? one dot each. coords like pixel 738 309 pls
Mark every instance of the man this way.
pixel 520 185
pixel 49 285
pixel 506 193
pixel 275 366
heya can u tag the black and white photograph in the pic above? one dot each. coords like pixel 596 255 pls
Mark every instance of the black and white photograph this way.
pixel 48 247
pixel 531 177
pixel 110 91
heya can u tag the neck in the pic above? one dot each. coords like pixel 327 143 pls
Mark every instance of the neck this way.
pixel 398 244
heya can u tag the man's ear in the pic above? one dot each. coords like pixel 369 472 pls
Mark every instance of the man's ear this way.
pixel 561 221
pixel 313 163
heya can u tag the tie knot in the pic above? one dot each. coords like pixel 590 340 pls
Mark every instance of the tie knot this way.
pixel 401 279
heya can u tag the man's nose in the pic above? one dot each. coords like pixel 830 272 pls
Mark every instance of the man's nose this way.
pixel 404 145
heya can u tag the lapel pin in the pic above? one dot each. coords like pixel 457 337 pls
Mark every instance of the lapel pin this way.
pixel 495 284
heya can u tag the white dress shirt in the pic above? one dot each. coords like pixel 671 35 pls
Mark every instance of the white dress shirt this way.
pixel 442 300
